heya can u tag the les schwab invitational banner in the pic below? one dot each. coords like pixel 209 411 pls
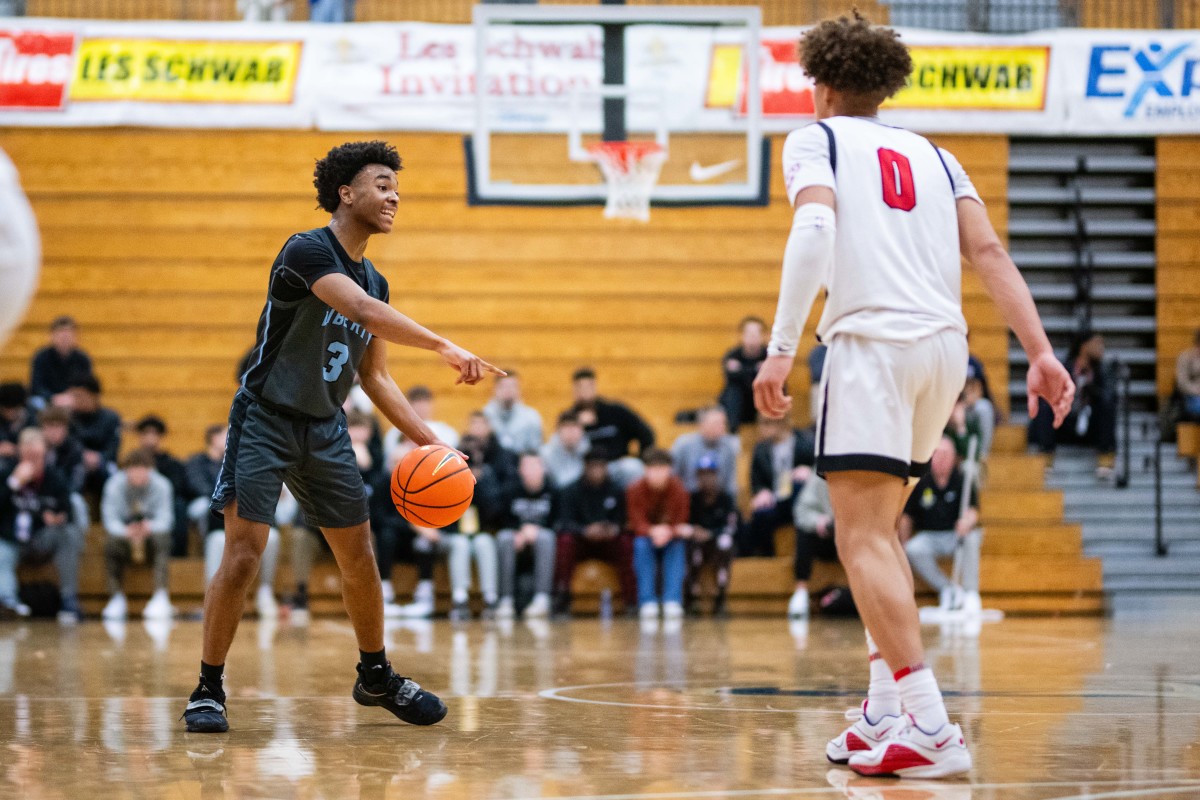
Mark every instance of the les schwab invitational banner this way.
pixel 416 76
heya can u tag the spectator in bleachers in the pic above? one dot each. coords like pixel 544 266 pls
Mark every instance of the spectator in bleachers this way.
pixel 657 507
pixel 1093 417
pixel 612 428
pixel 984 413
pixel 710 441
pixel 35 525
pixel 203 469
pixel 151 429
pixel 592 526
pixel 564 452
pixel 517 425
pixel 528 515
pixel 976 371
pixel 472 539
pixel 421 400
pixel 360 425
pixel 97 428
pixel 1187 378
pixel 393 535
pixel 138 512
pixel 264 10
pixel 932 527
pixel 814 539
pixel 57 364
pixel 15 416
pixel 65 454
pixel 816 366
pixel 264 597
pixel 740 365
pixel 782 461
pixel 715 520
pixel 962 427
pixel 331 11
pixel 307 543
pixel 486 446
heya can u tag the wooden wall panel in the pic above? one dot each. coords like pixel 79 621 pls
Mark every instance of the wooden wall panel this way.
pixel 160 241
pixel 1178 246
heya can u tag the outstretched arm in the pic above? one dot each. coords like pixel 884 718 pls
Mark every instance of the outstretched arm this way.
pixel 981 246
pixel 379 385
pixel 345 296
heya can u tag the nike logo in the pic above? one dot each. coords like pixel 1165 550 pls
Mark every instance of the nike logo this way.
pixel 700 174
pixel 446 459
pixel 942 743
pixel 884 733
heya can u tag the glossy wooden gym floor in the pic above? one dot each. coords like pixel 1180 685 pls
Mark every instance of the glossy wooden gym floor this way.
pixel 1053 708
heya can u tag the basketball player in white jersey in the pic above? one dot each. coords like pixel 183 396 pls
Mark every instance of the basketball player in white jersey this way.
pixel 881 215
pixel 20 250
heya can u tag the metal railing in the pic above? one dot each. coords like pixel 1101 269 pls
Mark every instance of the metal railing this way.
pixel 1000 16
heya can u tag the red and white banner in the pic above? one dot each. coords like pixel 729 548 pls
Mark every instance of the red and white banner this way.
pixel 35 68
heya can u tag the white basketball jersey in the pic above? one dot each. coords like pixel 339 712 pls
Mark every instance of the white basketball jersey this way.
pixel 20 250
pixel 896 272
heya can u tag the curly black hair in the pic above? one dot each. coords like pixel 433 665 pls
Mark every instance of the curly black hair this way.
pixel 342 163
pixel 854 56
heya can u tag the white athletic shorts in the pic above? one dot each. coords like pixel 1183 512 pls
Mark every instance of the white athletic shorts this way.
pixel 885 404
pixel 20 250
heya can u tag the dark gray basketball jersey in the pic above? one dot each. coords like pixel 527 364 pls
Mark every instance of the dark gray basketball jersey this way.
pixel 306 354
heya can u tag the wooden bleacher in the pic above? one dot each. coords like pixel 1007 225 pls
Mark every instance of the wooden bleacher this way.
pixel 161 249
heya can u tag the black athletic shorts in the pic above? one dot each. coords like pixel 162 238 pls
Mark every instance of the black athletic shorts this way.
pixel 268 447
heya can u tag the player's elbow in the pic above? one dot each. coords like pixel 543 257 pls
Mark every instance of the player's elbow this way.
pixel 370 313
pixel 987 255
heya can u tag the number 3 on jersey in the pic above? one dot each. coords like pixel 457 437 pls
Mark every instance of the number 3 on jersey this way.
pixel 341 355
pixel 898 189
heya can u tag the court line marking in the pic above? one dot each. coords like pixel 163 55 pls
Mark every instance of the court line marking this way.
pixel 556 693
pixel 1162 786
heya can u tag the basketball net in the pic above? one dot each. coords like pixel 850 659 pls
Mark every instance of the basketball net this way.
pixel 631 170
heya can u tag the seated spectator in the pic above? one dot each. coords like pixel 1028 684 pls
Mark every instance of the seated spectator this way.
pixel 15 416
pixel 35 525
pixel 657 508
pixel 57 364
pixel 485 445
pixel 962 427
pixel 150 431
pixel 816 367
pixel 527 517
pixel 264 10
pixel 563 453
pixel 814 539
pixel 98 429
pixel 714 519
pixel 331 10
pixel 933 526
pixel 976 371
pixel 421 400
pixel 138 512
pixel 359 401
pixel 711 441
pixel 307 544
pixel 741 365
pixel 393 535
pixel 1093 417
pixel 781 463
pixel 1187 378
pixel 360 425
pixel 611 428
pixel 516 425
pixel 203 469
pixel 981 409
pixel 592 526
pixel 65 454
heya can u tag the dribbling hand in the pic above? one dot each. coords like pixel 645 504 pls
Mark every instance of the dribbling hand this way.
pixel 1048 379
pixel 769 398
pixel 471 368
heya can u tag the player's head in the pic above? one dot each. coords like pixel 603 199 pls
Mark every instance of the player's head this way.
pixel 753 332
pixel 944 459
pixel 854 65
pixel 358 180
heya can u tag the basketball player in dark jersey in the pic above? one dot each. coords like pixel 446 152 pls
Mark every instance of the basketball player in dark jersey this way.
pixel 326 318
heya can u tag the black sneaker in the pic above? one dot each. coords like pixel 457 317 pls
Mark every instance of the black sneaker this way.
pixel 489 611
pixel 460 612
pixel 205 712
pixel 401 696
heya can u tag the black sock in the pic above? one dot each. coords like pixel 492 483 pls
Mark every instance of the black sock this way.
pixel 213 676
pixel 374 664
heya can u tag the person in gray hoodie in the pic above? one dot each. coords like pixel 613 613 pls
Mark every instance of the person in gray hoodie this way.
pixel 138 512
pixel 516 425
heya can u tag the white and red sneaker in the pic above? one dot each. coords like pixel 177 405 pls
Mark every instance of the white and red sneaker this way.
pixel 914 753
pixel 863 735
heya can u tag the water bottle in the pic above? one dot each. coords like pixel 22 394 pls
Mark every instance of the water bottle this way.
pixel 606 603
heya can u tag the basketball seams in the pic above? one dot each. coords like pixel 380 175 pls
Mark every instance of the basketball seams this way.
pixel 437 481
pixel 408 480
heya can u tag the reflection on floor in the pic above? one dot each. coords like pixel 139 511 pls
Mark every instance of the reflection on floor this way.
pixel 1069 708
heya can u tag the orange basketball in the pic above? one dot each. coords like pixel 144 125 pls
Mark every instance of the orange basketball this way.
pixel 432 486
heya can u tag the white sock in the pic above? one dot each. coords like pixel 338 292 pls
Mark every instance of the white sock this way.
pixel 459 596
pixel 424 592
pixel 920 696
pixel 883 698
